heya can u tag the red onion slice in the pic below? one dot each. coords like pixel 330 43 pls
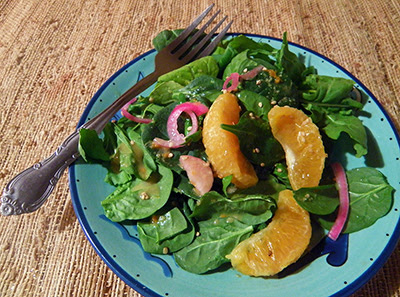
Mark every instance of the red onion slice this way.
pixel 125 113
pixel 252 73
pixel 234 79
pixel 177 139
pixel 199 173
pixel 344 205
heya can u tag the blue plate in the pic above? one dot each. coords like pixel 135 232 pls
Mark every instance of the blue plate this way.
pixel 333 272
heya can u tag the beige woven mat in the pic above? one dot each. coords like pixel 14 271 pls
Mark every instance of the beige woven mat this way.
pixel 55 54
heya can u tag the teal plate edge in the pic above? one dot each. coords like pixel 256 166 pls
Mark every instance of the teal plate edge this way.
pixel 146 291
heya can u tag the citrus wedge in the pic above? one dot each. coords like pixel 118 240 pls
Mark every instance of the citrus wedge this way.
pixel 280 244
pixel 222 147
pixel 301 141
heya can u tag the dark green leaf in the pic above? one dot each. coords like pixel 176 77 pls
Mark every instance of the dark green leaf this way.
pixel 255 103
pixel 337 123
pixel 217 239
pixel 321 200
pixel 288 62
pixel 139 199
pixel 178 230
pixel 162 93
pixel 326 89
pixel 256 140
pixel 164 38
pixel 91 146
pixel 251 209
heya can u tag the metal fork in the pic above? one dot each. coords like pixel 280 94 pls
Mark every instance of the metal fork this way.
pixel 30 189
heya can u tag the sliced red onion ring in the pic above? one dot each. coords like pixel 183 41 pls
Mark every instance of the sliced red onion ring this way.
pixel 234 79
pixel 125 113
pixel 177 139
pixel 341 180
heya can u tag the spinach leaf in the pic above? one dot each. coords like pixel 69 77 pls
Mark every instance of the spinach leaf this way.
pixel 321 200
pixel 229 48
pixel 371 198
pixel 217 239
pixel 172 230
pixel 336 123
pixel 326 89
pixel 183 186
pixel 288 62
pixel 164 38
pixel 239 63
pixel 251 209
pixel 281 173
pixel 204 88
pixel 163 91
pixel 168 225
pixel 226 184
pixel 139 199
pixel 256 140
pixel 274 87
pixel 269 186
pixel 117 178
pixel 255 103
pixel 91 146
pixel 131 153
pixel 187 73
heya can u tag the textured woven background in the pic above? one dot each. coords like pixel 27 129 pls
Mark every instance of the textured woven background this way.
pixel 55 54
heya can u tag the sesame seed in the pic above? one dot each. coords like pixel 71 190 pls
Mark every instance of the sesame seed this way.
pixel 260 104
pixel 170 155
pixel 258 82
pixel 197 233
pixel 165 250
pixel 256 150
pixel 151 99
pixel 262 164
pixel 132 142
pixel 189 128
pixel 144 196
pixel 279 170
pixel 273 102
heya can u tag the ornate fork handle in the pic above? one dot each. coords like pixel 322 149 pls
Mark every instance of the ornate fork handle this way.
pixel 30 189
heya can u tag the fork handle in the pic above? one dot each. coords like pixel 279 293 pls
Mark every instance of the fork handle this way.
pixel 27 191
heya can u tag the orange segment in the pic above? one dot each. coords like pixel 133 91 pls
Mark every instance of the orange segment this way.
pixel 280 244
pixel 222 147
pixel 301 141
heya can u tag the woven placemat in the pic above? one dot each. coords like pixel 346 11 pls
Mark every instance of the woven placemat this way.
pixel 54 55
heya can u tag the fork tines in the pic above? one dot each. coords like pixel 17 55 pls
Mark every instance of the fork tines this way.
pixel 182 47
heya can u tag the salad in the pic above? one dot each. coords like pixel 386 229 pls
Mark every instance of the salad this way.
pixel 185 204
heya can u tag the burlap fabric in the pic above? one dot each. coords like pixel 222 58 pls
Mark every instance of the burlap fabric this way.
pixel 55 54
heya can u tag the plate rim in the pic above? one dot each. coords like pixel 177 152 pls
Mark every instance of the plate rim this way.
pixel 146 291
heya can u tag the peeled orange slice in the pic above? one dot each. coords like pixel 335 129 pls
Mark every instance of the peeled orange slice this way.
pixel 222 147
pixel 301 141
pixel 280 244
